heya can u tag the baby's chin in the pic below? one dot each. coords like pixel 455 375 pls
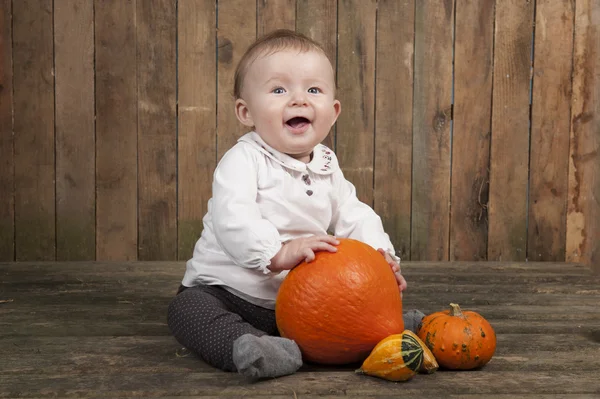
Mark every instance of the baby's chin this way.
pixel 303 155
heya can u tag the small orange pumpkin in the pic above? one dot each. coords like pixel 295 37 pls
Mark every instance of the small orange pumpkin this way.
pixel 340 305
pixel 459 340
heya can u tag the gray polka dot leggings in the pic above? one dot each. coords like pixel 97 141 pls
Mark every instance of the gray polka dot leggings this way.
pixel 208 319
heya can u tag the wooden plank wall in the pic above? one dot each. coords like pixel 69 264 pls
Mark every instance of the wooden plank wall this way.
pixel 471 126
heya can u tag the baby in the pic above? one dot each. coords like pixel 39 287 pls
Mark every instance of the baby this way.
pixel 276 195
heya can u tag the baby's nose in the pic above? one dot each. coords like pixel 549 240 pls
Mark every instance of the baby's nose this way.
pixel 298 98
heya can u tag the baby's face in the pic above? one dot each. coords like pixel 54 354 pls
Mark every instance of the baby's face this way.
pixel 289 97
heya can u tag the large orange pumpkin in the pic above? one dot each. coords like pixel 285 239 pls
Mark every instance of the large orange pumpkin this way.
pixel 340 305
pixel 459 339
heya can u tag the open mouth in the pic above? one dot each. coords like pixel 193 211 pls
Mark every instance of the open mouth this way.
pixel 298 122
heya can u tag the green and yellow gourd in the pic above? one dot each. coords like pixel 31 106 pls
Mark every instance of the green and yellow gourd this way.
pixel 398 357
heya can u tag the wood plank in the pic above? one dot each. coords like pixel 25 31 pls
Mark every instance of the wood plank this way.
pixel 317 19
pixel 432 112
pixel 342 395
pixel 7 161
pixel 98 329
pixel 430 285
pixel 473 272
pixel 132 269
pixel 236 27
pixel 393 129
pixel 509 152
pixel 275 14
pixel 140 354
pixel 70 299
pixel 148 354
pixel 549 163
pixel 311 383
pixel 136 326
pixel 424 292
pixel 156 23
pixel 33 68
pixel 583 215
pixel 75 137
pixel 196 132
pixel 474 43
pixel 356 80
pixel 419 295
pixel 245 396
pixel 80 283
pixel 116 130
pixel 132 318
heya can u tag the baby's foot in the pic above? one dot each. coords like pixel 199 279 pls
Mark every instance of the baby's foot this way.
pixel 412 319
pixel 266 356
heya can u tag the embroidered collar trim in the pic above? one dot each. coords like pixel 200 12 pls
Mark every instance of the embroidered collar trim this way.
pixel 323 162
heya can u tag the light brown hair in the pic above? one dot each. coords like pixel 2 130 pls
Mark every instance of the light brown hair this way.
pixel 281 39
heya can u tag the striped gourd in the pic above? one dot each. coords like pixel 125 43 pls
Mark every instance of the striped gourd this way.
pixel 430 364
pixel 396 358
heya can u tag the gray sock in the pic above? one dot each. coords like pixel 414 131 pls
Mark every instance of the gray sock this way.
pixel 266 356
pixel 412 319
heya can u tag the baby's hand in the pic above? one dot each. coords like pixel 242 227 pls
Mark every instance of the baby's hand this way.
pixel 301 249
pixel 395 268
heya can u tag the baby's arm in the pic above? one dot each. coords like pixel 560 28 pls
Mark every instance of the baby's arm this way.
pixel 247 238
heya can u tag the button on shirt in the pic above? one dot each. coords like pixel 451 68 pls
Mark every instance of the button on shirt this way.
pixel 263 198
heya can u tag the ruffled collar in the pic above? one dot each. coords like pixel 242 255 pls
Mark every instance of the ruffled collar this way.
pixel 323 162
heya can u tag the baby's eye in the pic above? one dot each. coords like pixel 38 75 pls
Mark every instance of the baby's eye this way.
pixel 278 90
pixel 314 90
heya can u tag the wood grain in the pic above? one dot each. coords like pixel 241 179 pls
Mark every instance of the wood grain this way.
pixel 34 158
pixel 98 329
pixel 393 129
pixel 534 207
pixel 550 120
pixel 432 113
pixel 583 215
pixel 116 130
pixel 236 32
pixel 275 14
pixel 317 19
pixel 75 136
pixel 146 354
pixel 197 104
pixel 356 80
pixel 509 151
pixel 332 384
pixel 471 129
pixel 156 23
pixel 7 162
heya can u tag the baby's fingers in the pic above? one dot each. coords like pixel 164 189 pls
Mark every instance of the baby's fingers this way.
pixel 308 255
pixel 323 246
pixel 401 282
pixel 328 239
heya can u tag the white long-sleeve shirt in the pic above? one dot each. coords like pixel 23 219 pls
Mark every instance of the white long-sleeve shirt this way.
pixel 263 198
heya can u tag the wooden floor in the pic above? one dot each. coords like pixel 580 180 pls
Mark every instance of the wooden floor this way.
pixel 83 330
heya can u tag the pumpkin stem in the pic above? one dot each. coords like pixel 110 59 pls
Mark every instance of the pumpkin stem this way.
pixel 455 310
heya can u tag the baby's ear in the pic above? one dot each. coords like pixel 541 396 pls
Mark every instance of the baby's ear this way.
pixel 243 113
pixel 337 107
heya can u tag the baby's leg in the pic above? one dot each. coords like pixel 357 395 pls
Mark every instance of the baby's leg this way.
pixel 207 321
